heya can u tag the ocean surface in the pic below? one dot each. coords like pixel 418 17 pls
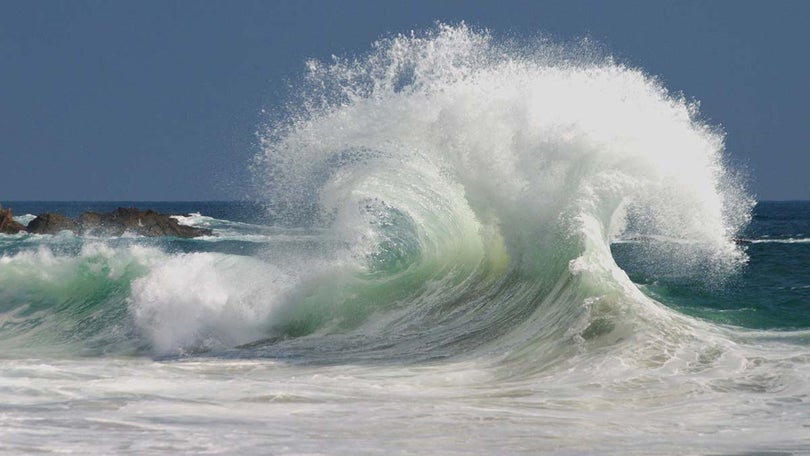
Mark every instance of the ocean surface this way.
pixel 462 246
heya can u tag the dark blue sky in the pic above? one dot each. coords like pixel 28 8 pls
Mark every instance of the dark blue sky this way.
pixel 160 100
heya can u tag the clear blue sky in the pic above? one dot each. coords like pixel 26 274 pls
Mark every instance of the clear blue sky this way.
pixel 160 100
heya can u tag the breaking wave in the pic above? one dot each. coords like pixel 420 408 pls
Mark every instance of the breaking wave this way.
pixel 459 194
pixel 476 186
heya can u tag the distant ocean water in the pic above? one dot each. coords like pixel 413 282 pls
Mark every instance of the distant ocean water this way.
pixel 464 248
pixel 771 292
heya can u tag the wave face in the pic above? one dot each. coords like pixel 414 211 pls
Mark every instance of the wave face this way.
pixel 475 186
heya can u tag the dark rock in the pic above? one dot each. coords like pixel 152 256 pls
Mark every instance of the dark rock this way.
pixel 118 222
pixel 89 222
pixel 49 223
pixel 7 223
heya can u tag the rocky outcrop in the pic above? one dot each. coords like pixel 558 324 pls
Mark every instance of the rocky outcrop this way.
pixel 7 223
pixel 49 223
pixel 116 223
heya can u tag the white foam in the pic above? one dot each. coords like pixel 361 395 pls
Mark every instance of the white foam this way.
pixel 24 219
pixel 194 219
pixel 780 241
pixel 206 300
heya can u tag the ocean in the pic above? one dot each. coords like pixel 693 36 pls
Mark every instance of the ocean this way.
pixel 461 246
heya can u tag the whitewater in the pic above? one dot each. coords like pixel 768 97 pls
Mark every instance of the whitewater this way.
pixel 435 270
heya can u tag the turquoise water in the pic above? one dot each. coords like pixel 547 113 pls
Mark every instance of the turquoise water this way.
pixel 771 292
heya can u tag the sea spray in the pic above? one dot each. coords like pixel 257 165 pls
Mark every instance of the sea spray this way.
pixel 533 157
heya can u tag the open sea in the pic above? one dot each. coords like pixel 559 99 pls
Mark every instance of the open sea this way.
pixel 461 247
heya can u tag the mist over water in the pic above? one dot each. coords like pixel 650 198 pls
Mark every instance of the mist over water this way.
pixel 438 274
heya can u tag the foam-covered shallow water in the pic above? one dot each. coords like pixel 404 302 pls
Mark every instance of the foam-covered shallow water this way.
pixel 467 247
